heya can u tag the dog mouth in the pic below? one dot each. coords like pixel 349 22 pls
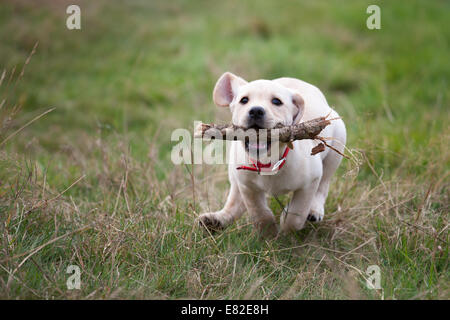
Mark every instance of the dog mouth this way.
pixel 257 148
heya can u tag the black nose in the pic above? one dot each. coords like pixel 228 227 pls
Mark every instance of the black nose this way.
pixel 257 113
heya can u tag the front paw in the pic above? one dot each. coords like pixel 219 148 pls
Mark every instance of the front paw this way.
pixel 268 229
pixel 291 222
pixel 211 222
pixel 315 216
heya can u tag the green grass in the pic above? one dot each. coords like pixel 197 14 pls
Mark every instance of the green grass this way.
pixel 140 69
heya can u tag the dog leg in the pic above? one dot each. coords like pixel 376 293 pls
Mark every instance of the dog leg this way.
pixel 330 164
pixel 299 207
pixel 317 210
pixel 233 210
pixel 260 213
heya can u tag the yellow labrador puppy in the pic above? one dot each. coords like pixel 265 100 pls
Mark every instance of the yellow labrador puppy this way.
pixel 264 104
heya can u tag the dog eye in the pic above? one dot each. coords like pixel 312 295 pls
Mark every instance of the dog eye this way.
pixel 244 100
pixel 277 102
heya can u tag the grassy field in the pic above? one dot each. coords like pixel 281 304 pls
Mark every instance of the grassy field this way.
pixel 91 182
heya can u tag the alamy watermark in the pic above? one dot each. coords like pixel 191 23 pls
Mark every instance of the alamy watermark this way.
pixel 73 21
pixel 260 146
pixel 374 277
pixel 374 20
pixel 74 281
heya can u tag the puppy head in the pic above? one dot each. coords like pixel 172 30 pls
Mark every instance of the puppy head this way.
pixel 258 104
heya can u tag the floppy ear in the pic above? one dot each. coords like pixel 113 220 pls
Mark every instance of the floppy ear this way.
pixel 300 104
pixel 226 89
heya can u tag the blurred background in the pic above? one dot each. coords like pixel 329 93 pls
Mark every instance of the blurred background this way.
pixel 138 69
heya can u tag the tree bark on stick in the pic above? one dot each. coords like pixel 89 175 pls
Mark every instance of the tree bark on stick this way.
pixel 305 130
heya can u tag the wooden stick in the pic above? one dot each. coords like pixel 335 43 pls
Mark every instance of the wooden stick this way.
pixel 305 130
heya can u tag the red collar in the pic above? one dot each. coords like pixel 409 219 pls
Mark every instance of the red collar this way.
pixel 258 165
